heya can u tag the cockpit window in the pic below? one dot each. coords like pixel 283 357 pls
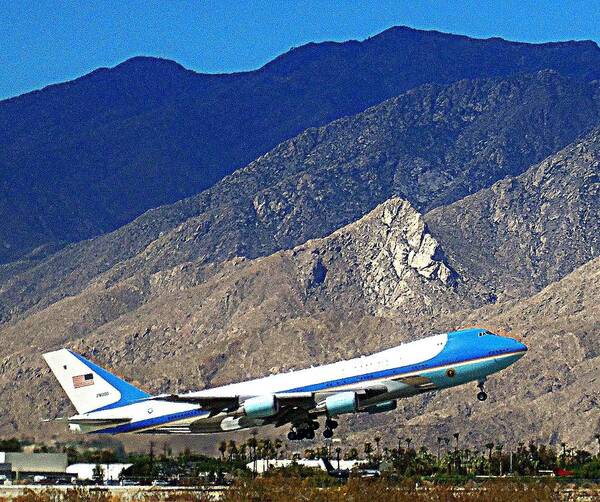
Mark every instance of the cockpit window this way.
pixel 483 333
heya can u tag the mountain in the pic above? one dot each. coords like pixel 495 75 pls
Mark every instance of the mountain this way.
pixel 432 146
pixel 385 278
pixel 384 262
pixel 452 203
pixel 531 230
pixel 370 285
pixel 85 157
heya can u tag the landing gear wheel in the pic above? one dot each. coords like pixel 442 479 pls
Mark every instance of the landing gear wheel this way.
pixel 331 424
pixel 309 434
pixel 315 425
pixel 327 433
pixel 482 396
pixel 292 436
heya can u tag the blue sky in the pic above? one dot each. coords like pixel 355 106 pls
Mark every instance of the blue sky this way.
pixel 44 42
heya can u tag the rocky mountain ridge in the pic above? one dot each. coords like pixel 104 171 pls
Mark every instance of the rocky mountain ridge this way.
pixel 85 157
pixel 316 303
pixel 531 229
pixel 431 146
pixel 461 202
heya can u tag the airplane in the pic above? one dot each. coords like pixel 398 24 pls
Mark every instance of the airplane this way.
pixel 371 384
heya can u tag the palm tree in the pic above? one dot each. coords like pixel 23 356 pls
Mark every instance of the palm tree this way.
pixel 368 450
pixel 456 459
pixel 252 444
pixel 223 449
pixel 564 453
pixel 266 448
pixel 377 441
pixel 490 447
pixel 232 449
pixel 408 441
pixel 499 450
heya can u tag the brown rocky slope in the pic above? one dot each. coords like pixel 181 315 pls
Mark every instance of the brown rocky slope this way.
pixel 370 285
pixel 430 146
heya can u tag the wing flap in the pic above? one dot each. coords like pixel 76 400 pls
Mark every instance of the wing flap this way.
pixel 205 402
pixel 420 382
pixel 99 421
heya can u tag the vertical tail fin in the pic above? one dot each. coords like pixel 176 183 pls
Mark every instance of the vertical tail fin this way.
pixel 88 386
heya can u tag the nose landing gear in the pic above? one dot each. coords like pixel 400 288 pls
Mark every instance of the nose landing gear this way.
pixel 481 395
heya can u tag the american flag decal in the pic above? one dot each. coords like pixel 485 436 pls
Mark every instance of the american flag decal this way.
pixel 83 380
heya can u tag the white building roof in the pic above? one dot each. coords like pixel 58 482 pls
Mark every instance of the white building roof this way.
pixel 86 471
pixel 265 465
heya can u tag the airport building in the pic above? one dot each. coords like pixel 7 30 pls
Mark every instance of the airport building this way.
pixel 20 465
pixel 108 472
pixel 264 465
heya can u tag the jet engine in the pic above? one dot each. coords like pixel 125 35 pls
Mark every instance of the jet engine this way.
pixel 343 402
pixel 261 406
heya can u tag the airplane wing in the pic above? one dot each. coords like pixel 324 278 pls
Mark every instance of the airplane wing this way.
pixel 290 399
pixel 292 406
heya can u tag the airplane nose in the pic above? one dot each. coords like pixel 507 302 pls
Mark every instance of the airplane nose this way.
pixel 520 347
pixel 515 349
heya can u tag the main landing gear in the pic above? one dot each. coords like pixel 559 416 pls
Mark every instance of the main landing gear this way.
pixel 307 430
pixel 303 431
pixel 481 395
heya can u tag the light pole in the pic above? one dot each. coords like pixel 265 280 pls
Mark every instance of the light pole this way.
pixel 456 435
pixel 338 451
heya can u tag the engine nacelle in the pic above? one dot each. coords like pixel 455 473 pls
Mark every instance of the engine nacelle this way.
pixel 344 402
pixel 261 406
pixel 382 407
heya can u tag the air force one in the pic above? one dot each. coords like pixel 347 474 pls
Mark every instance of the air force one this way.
pixel 371 384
